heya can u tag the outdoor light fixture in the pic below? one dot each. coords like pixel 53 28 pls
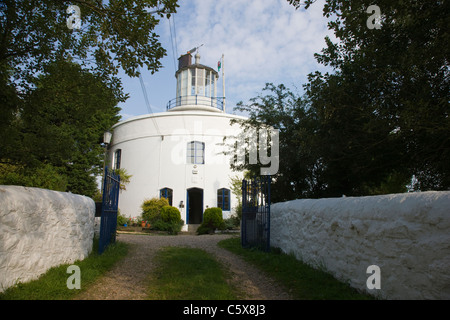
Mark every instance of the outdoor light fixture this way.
pixel 181 204
pixel 106 141
pixel 107 137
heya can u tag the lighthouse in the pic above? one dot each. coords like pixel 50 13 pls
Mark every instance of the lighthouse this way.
pixel 179 154
pixel 196 87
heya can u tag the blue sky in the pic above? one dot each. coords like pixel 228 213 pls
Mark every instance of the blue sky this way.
pixel 262 41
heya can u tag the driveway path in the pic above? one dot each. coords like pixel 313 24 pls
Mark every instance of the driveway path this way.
pixel 126 281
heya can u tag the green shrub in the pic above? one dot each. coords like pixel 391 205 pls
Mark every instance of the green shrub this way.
pixel 151 209
pixel 212 220
pixel 121 220
pixel 170 227
pixel 168 220
pixel 232 222
pixel 44 176
pixel 238 210
pixel 170 214
pixel 202 229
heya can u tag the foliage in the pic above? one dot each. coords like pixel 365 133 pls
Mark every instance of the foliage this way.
pixel 236 189
pixel 161 215
pixel 121 220
pixel 299 173
pixel 125 177
pixel 385 109
pixel 97 196
pixel 61 124
pixel 231 223
pixel 114 35
pixel 59 88
pixel 44 176
pixel 170 220
pixel 171 227
pixel 212 220
pixel 170 214
pixel 380 118
pixel 134 221
pixel 151 208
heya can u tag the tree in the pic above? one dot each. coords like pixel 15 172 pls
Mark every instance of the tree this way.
pixel 59 87
pixel 388 99
pixel 114 34
pixel 379 118
pixel 300 166
pixel 61 124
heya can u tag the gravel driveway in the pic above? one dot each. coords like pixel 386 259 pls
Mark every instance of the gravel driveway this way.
pixel 125 281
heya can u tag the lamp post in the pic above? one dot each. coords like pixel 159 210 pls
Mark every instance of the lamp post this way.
pixel 106 141
pixel 107 138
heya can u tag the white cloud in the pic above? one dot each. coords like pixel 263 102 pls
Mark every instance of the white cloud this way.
pixel 263 40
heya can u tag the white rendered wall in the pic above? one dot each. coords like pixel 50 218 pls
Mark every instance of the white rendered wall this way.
pixel 40 229
pixel 154 153
pixel 406 235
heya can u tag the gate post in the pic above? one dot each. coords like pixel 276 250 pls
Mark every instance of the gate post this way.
pixel 108 222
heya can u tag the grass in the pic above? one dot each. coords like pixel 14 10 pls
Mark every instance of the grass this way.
pixel 53 284
pixel 301 280
pixel 189 274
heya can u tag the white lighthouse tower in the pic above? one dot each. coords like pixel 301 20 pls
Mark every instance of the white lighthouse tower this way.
pixel 196 86
pixel 179 154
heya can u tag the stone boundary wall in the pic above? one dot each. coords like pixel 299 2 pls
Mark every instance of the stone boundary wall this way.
pixel 406 235
pixel 40 229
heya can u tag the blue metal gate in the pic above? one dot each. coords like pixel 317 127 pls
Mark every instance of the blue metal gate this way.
pixel 108 222
pixel 255 227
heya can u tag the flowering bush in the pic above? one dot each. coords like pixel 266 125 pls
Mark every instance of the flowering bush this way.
pixel 135 221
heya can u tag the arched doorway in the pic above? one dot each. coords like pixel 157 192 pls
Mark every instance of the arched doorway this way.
pixel 194 201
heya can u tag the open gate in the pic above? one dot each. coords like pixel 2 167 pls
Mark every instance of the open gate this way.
pixel 108 222
pixel 255 227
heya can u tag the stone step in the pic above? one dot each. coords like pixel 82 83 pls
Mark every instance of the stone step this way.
pixel 192 228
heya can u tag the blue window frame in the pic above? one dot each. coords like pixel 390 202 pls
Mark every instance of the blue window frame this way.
pixel 166 193
pixel 195 152
pixel 223 199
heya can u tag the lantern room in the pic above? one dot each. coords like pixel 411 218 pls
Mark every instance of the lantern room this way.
pixel 196 87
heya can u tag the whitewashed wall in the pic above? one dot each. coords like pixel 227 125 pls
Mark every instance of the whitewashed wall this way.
pixel 40 229
pixel 406 235
pixel 153 151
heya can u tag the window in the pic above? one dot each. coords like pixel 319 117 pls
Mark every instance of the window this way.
pixel 195 152
pixel 179 85
pixel 213 86
pixel 184 83
pixel 223 199
pixel 200 82
pixel 117 157
pixel 166 193
pixel 208 84
pixel 193 83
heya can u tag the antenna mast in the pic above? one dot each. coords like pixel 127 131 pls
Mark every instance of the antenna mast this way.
pixel 223 81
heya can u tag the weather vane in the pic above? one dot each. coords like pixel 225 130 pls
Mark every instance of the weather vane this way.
pixel 194 49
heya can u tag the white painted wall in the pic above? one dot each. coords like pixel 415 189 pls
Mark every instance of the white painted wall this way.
pixel 154 153
pixel 40 229
pixel 406 235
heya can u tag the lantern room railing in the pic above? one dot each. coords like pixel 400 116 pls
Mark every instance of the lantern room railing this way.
pixel 214 102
